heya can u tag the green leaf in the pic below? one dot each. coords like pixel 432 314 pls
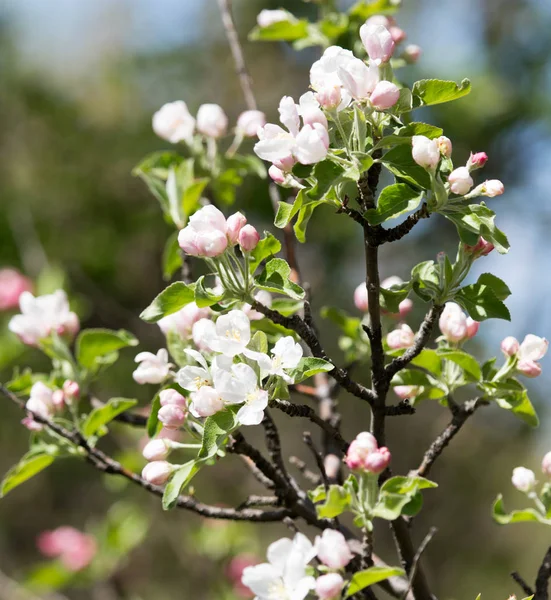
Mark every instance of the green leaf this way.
pixel 308 367
pixel 153 419
pixel 284 31
pixel 172 257
pixel 178 481
pixel 425 280
pixel 400 494
pixel 407 484
pixel 394 200
pixel 431 388
pixel 399 161
pixel 266 247
pixel 479 300
pixel 390 298
pixel 286 211
pixel 105 414
pixel 336 502
pixel 94 346
pixel 350 326
pixel 468 363
pixel 170 300
pixel 217 428
pixel 371 576
pixel 363 9
pixel 259 342
pixel 304 215
pixel 203 296
pixel 30 465
pixel 327 174
pixel 516 516
pixel 498 287
pixel 436 91
pixel 519 404
pixel 275 278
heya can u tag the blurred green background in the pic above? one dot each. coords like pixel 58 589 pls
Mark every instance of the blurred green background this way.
pixel 79 83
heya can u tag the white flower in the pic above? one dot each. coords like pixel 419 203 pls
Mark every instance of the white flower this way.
pixel 377 41
pixel 266 17
pixel 205 402
pixel 264 298
pixel 359 79
pixel 205 234
pixel 332 549
pixel 283 577
pixel 286 354
pixel 153 368
pixel 212 120
pixel 201 331
pixel 173 123
pixel 232 333
pixel 43 315
pixel 323 74
pixel 40 400
pixel 182 321
pixel 425 152
pixel 193 378
pixel 523 479
pixel 249 121
pixel 312 143
pixel 310 111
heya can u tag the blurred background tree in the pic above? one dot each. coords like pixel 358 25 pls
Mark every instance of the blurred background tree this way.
pixel 80 81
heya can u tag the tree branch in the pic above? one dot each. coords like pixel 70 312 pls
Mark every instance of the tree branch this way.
pixel 397 233
pixel 542 579
pixel 523 585
pixel 307 438
pixel 459 415
pixel 225 7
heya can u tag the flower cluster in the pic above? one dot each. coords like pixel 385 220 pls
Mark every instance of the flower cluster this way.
pixel 42 316
pixel 455 325
pixel 285 574
pixel 524 356
pixel 365 455
pixel 46 402
pixel 74 549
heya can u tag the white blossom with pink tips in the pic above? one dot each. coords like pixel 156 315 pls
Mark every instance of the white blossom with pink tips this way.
pixel 153 368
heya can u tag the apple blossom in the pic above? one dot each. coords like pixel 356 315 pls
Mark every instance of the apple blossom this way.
pixel 212 120
pixel 324 76
pixel 490 188
pixel 205 402
pixel 358 450
pixel 385 95
pixel 275 144
pixel 262 296
pixel 405 307
pixel 532 349
pixel 453 323
pixel 312 144
pixel 153 368
pixel 510 346
pixel 460 181
pixel 401 337
pixel 171 396
pixel 332 549
pixel 171 416
pixel 71 390
pixel 277 175
pixel 358 78
pixel 329 586
pixel 58 400
pixel 444 145
pixel 205 234
pixel 157 449
pixel 408 392
pixel 477 161
pixel 310 111
pixel 74 549
pixel 546 464
pixel 12 285
pixel 40 400
pixel 426 152
pixel 412 53
pixel 249 121
pixel 157 472
pixel 329 97
pixel 284 576
pixel 378 42
pixel 42 316
pixel 481 248
pixel 174 123
pixel 523 479
pixel 398 34
pixel 234 572
pixel 182 321
pixel 234 224
pixel 472 327
pixel 31 424
pixel 376 462
pixel 266 17
pixel 360 297
pixel 248 238
pixel 382 20
pixel 202 331
pixel 232 333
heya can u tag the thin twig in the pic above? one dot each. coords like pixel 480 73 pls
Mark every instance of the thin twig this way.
pixel 420 550
pixel 302 467
pixel 259 501
pixel 225 7
pixel 542 579
pixel 523 585
pixel 307 438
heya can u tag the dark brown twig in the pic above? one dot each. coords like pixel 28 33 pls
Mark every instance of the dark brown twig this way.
pixel 307 438
pixel 542 578
pixel 259 501
pixel 523 585
pixel 302 467
pixel 422 546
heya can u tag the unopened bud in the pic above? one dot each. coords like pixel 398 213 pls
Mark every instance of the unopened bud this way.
pixel 546 464
pixel 510 346
pixel 444 145
pixel 477 161
pixel 360 297
pixel 385 95
pixel 425 152
pixel 481 248
pixel 248 238
pixel 490 188
pixel 58 400
pixel 472 327
pixel 377 461
pixel 329 97
pixel 171 416
pixel 412 53
pixel 71 389
pixel 405 307
pixel 276 174
pixel 157 472
pixel 235 223
pixel 460 181
pixel 407 392
pixel 157 449
pixel 171 396
pixel 523 479
pixel 398 34
pixel 402 337
pixel 329 586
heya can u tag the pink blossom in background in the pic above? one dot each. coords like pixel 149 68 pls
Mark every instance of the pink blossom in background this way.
pixel 12 285
pixel 74 549
pixel 234 571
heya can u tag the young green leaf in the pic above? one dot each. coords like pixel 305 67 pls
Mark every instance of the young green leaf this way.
pixel 436 91
pixel 498 287
pixel 217 428
pixel 172 257
pixel 282 31
pixel 308 367
pixel 29 466
pixel 266 247
pixel 203 296
pixel 178 481
pixel 153 419
pixel 394 200
pixel 276 278
pixel 371 576
pixel 105 414
pixel 93 346
pixel 516 516
pixel 170 300
pixel 468 363
pixel 337 501
pixel 479 300
pixel 399 161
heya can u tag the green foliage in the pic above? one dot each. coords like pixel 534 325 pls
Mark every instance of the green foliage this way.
pixel 511 395
pixel 394 201
pixel 282 31
pixel 397 493
pixel 516 516
pixel 399 161
pixel 268 246
pixel 170 300
pixel 363 9
pixel 371 576
pixel 98 347
pixel 308 367
pixel 103 415
pixel 335 500
pixel 153 419
pixel 436 91
pixel 276 278
pixel 172 257
pixel 481 302
pixel 180 478
pixel 204 296
pixel 30 465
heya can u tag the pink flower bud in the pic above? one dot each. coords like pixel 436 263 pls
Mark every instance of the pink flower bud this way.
pixel 377 461
pixel 234 572
pixel 523 479
pixel 58 400
pixel 477 161
pixel 157 449
pixel 170 396
pixel 171 416
pixel 71 390
pixel 481 248
pixel 364 444
pixel 378 42
pixel 249 121
pixel 332 549
pixel 329 586
pixel 510 346
pixel 529 368
pixel 276 174
pixel 212 120
pixel 405 307
pixel 546 464
pixel 425 152
pixel 402 337
pixel 444 145
pixel 383 20
pixel 398 34
pixel 248 238
pixel 12 285
pixel 407 392
pixel 360 297
pixel 31 424
pixel 460 181
pixel 286 163
pixel 412 53
pixel 490 188
pixel 75 549
pixel 235 223
pixel 329 97
pixel 472 327
pixel 157 472
pixel 40 400
pixel 385 95
pixel 453 323
pixel 532 349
